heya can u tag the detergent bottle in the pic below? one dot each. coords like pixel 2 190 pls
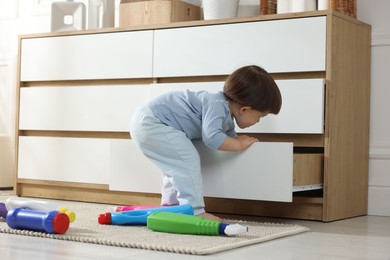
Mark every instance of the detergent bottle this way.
pixel 139 217
pixel 184 224
pixel 53 222
pixel 131 207
pixel 41 205
pixel 3 210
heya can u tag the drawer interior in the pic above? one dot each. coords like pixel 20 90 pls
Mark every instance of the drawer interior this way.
pixel 308 171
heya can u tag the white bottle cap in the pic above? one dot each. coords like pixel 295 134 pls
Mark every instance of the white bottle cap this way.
pixel 235 229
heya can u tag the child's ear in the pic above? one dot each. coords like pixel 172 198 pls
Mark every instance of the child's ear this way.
pixel 244 109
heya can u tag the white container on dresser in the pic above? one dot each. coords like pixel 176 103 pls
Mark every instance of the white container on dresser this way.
pixel 77 93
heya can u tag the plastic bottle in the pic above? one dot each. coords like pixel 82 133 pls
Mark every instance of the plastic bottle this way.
pixel 131 207
pixel 53 222
pixel 41 205
pixel 139 217
pixel 184 224
pixel 3 210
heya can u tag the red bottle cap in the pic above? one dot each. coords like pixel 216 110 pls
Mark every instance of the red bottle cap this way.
pixel 105 218
pixel 60 223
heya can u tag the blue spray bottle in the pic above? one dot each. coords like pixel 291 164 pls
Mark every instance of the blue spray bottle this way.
pixel 139 217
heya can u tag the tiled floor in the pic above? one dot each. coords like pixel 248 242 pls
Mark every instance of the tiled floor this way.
pixel 365 238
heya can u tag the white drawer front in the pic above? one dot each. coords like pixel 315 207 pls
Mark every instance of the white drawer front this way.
pixel 100 108
pixel 64 159
pixel 130 170
pixel 256 173
pixel 96 56
pixel 109 108
pixel 291 45
pixel 302 111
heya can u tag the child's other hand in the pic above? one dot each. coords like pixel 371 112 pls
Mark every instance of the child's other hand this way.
pixel 246 141
pixel 209 216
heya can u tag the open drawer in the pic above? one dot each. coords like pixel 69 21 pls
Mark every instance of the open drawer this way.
pixel 263 172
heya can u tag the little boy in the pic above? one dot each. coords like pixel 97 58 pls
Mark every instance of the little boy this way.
pixel 165 128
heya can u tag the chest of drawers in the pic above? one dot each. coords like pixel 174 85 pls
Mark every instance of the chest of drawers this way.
pixel 77 92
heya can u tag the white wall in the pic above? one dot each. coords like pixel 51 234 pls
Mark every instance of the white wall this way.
pixel 8 54
pixel 376 13
pixel 30 16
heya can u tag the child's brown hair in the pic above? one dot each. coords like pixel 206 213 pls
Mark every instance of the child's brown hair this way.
pixel 254 87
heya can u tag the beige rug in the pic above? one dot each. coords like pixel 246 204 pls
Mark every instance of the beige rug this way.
pixel 87 230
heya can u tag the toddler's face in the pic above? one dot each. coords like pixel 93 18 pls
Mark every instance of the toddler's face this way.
pixel 248 117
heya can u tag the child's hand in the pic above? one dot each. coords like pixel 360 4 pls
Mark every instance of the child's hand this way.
pixel 240 143
pixel 246 141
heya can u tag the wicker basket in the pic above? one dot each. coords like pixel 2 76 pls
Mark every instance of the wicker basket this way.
pixel 347 7
pixel 267 7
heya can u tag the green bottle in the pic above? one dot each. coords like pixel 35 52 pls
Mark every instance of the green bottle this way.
pixel 186 224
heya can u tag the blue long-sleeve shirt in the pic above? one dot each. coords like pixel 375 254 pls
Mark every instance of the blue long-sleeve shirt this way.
pixel 200 115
